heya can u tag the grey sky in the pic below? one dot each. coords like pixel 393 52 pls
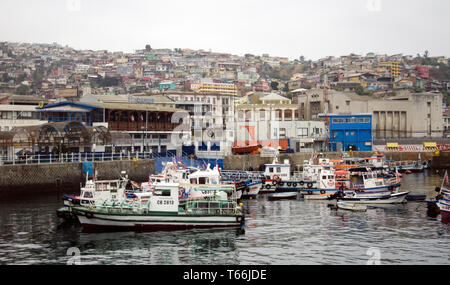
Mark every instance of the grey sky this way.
pixel 290 28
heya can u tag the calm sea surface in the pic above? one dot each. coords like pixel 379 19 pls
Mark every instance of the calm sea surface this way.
pixel 276 233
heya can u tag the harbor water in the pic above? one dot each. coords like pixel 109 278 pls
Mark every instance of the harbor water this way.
pixel 290 232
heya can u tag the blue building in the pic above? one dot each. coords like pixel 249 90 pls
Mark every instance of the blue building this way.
pixel 350 131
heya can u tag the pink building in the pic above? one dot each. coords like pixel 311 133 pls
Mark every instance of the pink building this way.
pixel 261 86
pixel 422 71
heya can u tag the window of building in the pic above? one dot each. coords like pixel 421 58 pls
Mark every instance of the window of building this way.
pixel 302 132
pixel 241 115
pixel 262 114
pixel 248 115
pixel 288 114
pixel 278 114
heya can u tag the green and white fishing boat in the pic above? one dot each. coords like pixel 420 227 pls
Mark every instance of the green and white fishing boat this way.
pixel 161 210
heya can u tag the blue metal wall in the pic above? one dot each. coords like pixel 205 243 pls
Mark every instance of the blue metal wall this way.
pixel 355 131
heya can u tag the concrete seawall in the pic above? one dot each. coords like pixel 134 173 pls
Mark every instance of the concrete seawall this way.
pixel 35 178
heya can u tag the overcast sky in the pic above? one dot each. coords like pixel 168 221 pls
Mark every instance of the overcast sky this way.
pixel 289 28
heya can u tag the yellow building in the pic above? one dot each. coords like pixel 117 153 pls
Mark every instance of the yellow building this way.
pixel 394 68
pixel 222 88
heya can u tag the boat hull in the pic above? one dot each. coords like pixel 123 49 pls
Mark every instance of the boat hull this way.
pixel 351 207
pixel 317 197
pixel 396 198
pixel 445 216
pixel 282 196
pixel 252 191
pixel 416 197
pixel 94 221
pixel 375 190
pixel 444 206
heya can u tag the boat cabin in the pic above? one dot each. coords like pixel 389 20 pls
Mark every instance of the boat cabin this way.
pixel 327 179
pixel 96 192
pixel 371 180
pixel 203 177
pixel 164 198
pixel 376 160
pixel 274 170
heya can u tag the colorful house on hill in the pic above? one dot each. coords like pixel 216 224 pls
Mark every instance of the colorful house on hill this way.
pixel 167 85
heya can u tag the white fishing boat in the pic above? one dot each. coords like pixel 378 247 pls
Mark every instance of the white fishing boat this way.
pixel 331 182
pixel 365 198
pixel 162 211
pixel 279 178
pixel 351 206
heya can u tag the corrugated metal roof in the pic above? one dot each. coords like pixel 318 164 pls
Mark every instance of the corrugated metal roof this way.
pixel 135 107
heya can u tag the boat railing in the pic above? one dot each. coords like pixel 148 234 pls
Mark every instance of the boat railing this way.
pixel 206 207
pixel 40 158
pixel 129 205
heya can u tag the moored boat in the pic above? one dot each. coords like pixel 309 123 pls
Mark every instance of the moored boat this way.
pixel 282 195
pixel 317 197
pixel 161 212
pixel 416 197
pixel 364 198
pixel 351 206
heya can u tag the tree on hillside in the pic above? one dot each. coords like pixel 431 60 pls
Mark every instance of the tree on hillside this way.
pixel 274 85
pixel 22 89
pixel 148 48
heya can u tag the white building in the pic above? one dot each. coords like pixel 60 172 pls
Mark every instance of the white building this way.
pixel 12 116
pixel 271 119
pixel 212 121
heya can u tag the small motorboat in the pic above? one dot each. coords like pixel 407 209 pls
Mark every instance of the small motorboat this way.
pixel 416 197
pixel 351 206
pixel 393 198
pixel 282 195
pixel 317 196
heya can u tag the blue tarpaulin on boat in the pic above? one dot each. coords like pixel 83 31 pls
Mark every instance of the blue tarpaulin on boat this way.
pixel 88 166
pixel 200 163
